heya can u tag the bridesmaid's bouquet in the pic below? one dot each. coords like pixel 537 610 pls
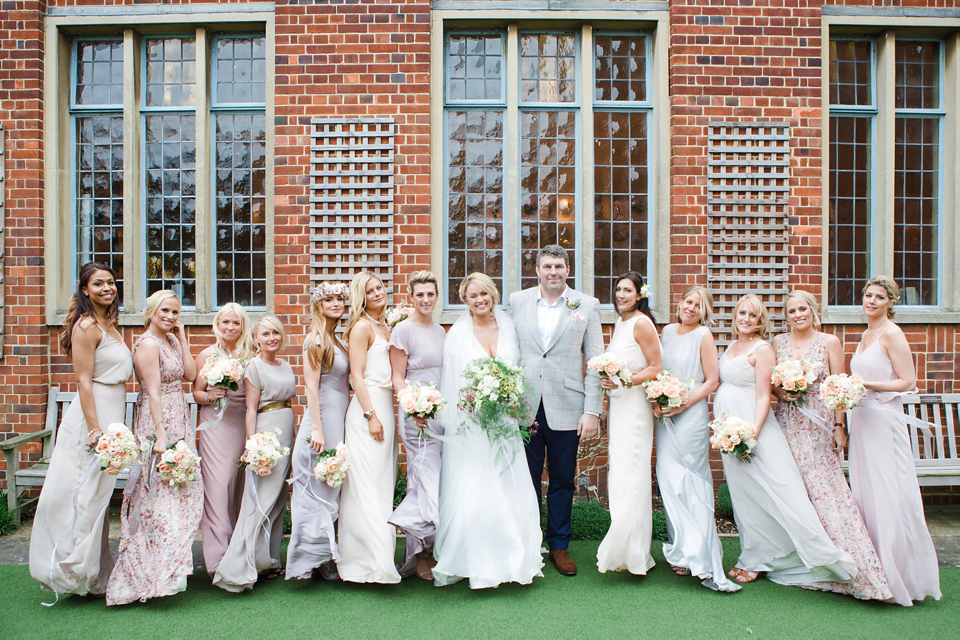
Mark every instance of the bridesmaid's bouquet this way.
pixel 332 466
pixel 178 464
pixel 795 376
pixel 733 435
pixel 116 449
pixel 398 314
pixel 494 398
pixel 421 401
pixel 609 366
pixel 841 392
pixel 222 372
pixel 263 452
pixel 666 390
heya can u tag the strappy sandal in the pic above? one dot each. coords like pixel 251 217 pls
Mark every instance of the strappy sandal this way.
pixel 734 573
pixel 680 571
pixel 746 577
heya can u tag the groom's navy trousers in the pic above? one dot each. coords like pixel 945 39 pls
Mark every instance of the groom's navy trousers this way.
pixel 560 449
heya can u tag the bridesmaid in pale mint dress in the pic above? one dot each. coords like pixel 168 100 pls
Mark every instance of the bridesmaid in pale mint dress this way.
pixel 68 544
pixel 158 522
pixel 416 355
pixel 814 446
pixel 626 547
pixel 780 533
pixel 367 540
pixel 220 442
pixel 683 446
pixel 882 474
pixel 315 506
pixel 269 385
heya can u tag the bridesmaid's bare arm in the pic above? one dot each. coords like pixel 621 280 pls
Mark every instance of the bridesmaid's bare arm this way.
pixel 711 375
pixel 895 345
pixel 147 359
pixel 311 383
pixel 764 359
pixel 251 393
pixel 86 339
pixel 645 335
pixel 358 343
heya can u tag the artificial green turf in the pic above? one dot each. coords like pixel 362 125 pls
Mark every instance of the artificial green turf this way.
pixel 612 605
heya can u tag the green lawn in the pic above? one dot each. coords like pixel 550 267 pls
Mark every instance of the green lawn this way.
pixel 589 605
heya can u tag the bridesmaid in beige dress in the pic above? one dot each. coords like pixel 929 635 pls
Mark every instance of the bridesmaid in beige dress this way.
pixel 269 385
pixel 221 442
pixel 68 546
pixel 367 540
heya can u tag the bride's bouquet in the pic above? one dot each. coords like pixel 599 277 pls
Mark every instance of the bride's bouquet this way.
pixel 795 376
pixel 223 372
pixel 733 435
pixel 841 392
pixel 609 366
pixel 421 401
pixel 666 390
pixel 263 452
pixel 115 449
pixel 178 464
pixel 398 314
pixel 494 398
pixel 332 466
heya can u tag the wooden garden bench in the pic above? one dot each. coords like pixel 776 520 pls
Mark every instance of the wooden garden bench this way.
pixel 19 480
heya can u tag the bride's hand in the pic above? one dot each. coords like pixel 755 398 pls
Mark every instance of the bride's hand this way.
pixel 376 428
pixel 607 383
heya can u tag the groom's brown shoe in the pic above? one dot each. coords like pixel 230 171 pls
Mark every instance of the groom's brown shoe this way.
pixel 564 563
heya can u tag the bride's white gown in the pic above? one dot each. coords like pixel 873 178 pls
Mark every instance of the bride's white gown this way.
pixel 489 525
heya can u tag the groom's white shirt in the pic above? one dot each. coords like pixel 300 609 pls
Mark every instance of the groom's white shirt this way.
pixel 548 315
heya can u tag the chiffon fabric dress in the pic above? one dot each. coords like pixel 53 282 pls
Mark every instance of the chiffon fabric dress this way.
pixel 780 532
pixel 489 528
pixel 68 542
pixel 812 449
pixel 367 540
pixel 315 506
pixel 630 431
pixel 417 514
pixel 255 545
pixel 884 484
pixel 683 470
pixel 158 522
pixel 219 449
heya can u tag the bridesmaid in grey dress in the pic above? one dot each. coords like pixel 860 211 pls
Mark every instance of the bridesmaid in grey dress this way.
pixel 269 384
pixel 68 544
pixel 315 506
pixel 416 355
pixel 683 445
pixel 220 443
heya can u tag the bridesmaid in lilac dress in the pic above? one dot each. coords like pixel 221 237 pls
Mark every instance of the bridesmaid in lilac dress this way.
pixel 814 445
pixel 220 442
pixel 315 506
pixel 882 474
pixel 158 522
pixel 416 355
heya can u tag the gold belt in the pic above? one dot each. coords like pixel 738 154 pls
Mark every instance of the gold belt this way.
pixel 274 406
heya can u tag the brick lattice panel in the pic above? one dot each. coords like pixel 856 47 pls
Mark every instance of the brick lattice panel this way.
pixel 747 226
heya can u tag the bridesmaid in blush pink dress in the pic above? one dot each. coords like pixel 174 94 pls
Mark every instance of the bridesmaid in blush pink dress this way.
pixel 882 474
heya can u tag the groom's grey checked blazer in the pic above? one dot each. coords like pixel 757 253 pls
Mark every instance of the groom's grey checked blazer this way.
pixel 555 370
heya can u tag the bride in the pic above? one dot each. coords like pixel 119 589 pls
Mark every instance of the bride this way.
pixel 489 524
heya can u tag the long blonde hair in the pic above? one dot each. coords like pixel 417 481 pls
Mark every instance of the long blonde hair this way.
pixel 320 343
pixel 808 298
pixel 153 303
pixel 242 351
pixel 358 299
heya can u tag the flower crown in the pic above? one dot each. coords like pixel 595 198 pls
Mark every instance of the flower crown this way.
pixel 330 289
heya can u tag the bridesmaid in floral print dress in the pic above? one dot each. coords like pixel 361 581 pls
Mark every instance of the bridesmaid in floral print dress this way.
pixel 815 446
pixel 158 522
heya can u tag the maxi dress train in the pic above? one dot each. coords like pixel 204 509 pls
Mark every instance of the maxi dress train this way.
pixel 77 491
pixel 780 532
pixel 314 506
pixel 819 465
pixel 626 546
pixel 884 484
pixel 367 540
pixel 158 522
pixel 417 514
pixel 255 545
pixel 489 528
pixel 683 470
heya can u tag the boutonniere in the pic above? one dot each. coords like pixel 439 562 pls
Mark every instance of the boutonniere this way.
pixel 573 304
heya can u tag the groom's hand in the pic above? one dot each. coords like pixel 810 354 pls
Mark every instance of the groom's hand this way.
pixel 588 426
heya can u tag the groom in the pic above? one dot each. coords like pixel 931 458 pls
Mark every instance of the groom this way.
pixel 558 329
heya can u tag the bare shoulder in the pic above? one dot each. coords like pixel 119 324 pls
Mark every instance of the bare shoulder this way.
pixel 831 341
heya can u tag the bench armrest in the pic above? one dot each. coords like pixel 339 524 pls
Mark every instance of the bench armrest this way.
pixel 16 441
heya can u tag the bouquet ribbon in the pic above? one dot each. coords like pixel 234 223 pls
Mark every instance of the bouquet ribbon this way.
pixel 922 426
pixel 212 424
pixel 825 430
pixel 307 489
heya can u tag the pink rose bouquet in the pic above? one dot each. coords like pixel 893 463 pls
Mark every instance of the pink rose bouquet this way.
pixel 733 435
pixel 609 366
pixel 666 390
pixel 421 401
pixel 841 392
pixel 332 466
pixel 223 372
pixel 178 464
pixel 263 452
pixel 398 314
pixel 115 449
pixel 795 376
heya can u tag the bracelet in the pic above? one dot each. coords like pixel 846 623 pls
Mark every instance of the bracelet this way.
pixel 206 397
pixel 838 424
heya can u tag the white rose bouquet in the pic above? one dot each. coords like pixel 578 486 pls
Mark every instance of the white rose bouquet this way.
pixel 178 464
pixel 115 449
pixel 223 372
pixel 494 397
pixel 332 466
pixel 263 452
pixel 734 436
pixel 841 392
pixel 795 376
pixel 666 390
pixel 421 401
pixel 398 314
pixel 609 366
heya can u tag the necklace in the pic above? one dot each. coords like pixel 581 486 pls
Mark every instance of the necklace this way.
pixel 381 322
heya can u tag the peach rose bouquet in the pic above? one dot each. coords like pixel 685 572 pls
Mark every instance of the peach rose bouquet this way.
pixel 795 376
pixel 733 435
pixel 609 366
pixel 263 452
pixel 421 401
pixel 115 449
pixel 666 390
pixel 178 464
pixel 223 372
pixel 332 466
pixel 841 392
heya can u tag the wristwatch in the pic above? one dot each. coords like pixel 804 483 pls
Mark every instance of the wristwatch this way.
pixel 368 414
